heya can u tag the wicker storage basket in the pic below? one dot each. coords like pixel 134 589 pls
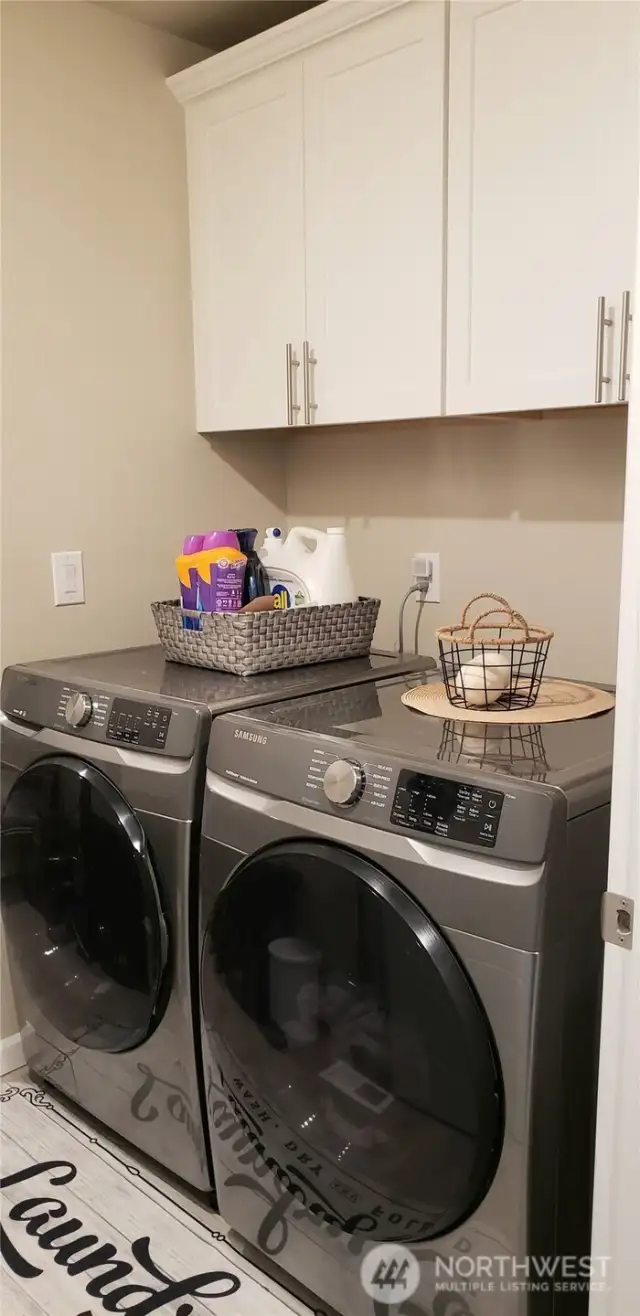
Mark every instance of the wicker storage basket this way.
pixel 251 642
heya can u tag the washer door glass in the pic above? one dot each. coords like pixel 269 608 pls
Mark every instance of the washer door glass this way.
pixel 81 906
pixel 350 1043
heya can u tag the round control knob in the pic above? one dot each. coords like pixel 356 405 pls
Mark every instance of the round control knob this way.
pixel 78 710
pixel 343 782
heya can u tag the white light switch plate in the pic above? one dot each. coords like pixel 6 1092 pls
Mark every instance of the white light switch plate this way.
pixel 68 578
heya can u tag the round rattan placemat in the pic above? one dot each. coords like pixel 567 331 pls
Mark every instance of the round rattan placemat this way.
pixel 558 701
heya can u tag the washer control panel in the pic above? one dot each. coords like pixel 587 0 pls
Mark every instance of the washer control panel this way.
pixel 146 725
pixel 76 708
pixel 447 808
pixel 345 781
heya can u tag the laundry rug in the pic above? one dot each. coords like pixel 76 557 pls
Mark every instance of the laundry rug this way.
pixel 87 1229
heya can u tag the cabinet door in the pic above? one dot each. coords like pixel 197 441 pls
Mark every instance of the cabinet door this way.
pixel 245 154
pixel 542 213
pixel 373 106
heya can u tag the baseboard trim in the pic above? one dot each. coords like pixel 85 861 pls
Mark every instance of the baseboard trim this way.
pixel 11 1054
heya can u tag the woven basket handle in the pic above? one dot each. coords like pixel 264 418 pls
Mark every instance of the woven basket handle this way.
pixel 499 612
pixel 497 598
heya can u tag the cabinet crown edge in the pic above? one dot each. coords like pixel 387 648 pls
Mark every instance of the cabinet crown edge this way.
pixel 289 38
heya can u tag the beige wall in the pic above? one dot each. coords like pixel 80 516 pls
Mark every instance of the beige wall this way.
pixel 100 451
pixel 530 509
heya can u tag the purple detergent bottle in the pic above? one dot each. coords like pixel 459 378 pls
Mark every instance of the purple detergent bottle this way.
pixel 221 568
pixel 189 573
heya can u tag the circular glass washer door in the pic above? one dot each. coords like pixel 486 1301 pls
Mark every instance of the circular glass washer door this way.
pixel 352 1046
pixel 81 905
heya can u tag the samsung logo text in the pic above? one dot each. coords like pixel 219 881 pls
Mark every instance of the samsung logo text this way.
pixel 250 735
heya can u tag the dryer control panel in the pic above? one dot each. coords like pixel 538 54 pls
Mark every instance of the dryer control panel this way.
pixel 447 808
pixel 350 782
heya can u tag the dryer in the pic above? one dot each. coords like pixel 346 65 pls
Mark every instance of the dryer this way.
pixel 400 984
pixel 102 784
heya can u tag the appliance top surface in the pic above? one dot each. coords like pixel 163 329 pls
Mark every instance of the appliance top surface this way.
pixel 144 671
pixel 561 754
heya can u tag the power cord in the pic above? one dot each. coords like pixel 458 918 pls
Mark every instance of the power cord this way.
pixel 421 587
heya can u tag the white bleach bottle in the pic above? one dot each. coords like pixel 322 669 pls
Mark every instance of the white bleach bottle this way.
pixel 309 566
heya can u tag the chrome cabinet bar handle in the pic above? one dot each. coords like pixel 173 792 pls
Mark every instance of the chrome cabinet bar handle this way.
pixel 602 322
pixel 623 377
pixel 293 406
pixel 309 360
pixel 289 351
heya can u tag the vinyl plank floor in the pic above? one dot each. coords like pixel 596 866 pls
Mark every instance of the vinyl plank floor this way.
pixel 59 1172
pixel 15 1300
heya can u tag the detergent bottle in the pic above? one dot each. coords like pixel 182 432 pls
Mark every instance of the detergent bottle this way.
pixel 212 578
pixel 188 571
pixel 308 567
pixel 285 569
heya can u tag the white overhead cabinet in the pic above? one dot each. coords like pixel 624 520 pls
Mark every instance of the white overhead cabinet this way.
pixel 316 209
pixel 542 202
pixel 319 192
pixel 246 201
pixel 373 116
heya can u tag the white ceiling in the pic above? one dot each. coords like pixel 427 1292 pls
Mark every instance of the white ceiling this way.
pixel 213 23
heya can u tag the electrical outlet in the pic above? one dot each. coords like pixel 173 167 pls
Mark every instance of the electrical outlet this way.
pixel 427 565
pixel 68 578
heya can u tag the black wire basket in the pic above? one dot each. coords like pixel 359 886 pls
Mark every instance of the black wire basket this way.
pixel 497 660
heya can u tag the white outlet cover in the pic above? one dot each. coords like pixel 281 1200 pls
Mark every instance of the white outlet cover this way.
pixel 68 578
pixel 425 564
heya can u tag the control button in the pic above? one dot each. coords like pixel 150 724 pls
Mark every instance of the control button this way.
pixel 77 710
pixel 492 804
pixel 343 783
pixel 489 827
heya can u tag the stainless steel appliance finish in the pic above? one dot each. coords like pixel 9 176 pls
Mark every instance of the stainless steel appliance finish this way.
pixel 102 783
pixel 144 671
pixel 431 1077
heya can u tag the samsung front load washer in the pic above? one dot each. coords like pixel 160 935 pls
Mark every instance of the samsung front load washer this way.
pixel 102 783
pixel 400 986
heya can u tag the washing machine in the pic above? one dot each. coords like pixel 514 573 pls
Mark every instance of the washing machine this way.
pixel 103 761
pixel 400 985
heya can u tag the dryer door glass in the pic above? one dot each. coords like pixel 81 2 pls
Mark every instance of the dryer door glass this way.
pixel 350 1045
pixel 81 906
